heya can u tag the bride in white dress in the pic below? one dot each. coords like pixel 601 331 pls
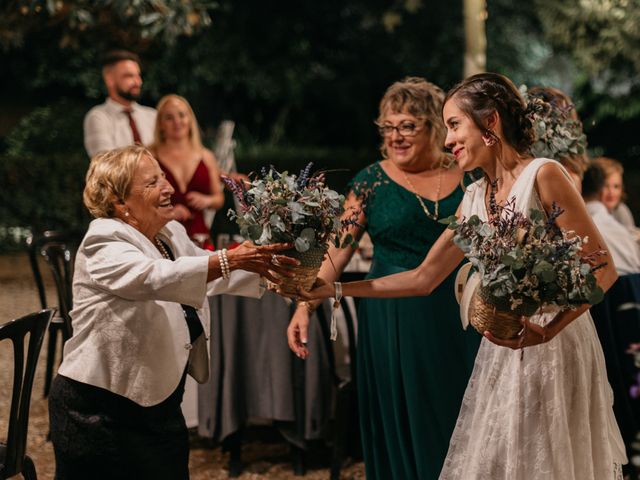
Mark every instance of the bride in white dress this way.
pixel 546 414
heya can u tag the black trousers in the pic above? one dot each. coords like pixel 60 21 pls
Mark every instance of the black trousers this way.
pixel 98 435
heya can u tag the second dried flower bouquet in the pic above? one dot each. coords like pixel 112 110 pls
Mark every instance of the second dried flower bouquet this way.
pixel 526 262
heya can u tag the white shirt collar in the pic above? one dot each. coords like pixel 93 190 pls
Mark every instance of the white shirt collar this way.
pixel 116 107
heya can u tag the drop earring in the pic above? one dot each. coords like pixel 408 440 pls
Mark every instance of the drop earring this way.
pixel 126 214
pixel 489 138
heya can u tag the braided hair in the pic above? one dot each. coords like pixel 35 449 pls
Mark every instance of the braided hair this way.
pixel 480 95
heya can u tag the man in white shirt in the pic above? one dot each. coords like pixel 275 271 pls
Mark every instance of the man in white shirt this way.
pixel 620 242
pixel 119 121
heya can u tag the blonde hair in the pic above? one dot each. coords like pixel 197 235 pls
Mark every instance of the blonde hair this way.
pixel 109 179
pixel 610 166
pixel 194 129
pixel 417 97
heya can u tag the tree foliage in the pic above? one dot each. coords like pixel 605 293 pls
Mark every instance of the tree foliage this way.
pixel 603 38
pixel 518 47
pixel 309 72
pixel 78 22
pixel 602 35
pixel 290 71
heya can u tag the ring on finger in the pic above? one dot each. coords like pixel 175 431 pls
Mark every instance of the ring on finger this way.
pixel 274 259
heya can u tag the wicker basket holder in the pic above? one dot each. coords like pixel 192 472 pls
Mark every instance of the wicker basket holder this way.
pixel 305 273
pixel 489 313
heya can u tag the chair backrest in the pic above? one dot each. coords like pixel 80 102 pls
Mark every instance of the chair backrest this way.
pixel 35 325
pixel 59 258
pixel 35 243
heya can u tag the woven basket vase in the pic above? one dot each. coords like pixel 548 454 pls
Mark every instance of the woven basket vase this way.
pixel 306 272
pixel 488 313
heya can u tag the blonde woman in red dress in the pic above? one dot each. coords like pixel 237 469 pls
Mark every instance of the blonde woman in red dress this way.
pixel 190 168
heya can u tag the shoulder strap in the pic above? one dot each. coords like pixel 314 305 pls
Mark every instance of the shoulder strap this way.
pixel 473 200
pixel 523 190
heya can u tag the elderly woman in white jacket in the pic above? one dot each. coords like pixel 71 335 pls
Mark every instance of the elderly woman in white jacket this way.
pixel 139 317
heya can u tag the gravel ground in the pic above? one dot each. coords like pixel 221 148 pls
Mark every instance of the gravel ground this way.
pixel 265 455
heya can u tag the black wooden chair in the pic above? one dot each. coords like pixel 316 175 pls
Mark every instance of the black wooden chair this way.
pixel 13 459
pixel 57 248
pixel 59 257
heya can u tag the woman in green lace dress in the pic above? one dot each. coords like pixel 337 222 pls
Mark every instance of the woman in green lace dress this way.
pixel 414 359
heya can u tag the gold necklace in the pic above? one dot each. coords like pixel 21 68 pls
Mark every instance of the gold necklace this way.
pixel 162 248
pixel 414 190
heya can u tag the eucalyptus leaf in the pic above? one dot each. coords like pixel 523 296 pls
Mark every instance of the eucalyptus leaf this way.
pixel 254 232
pixel 595 296
pixel 309 234
pixel 265 237
pixel 486 230
pixel 302 244
pixel 332 195
pixel 346 241
pixel 508 260
pixel 474 220
pixel 276 222
pixel 450 220
pixel 536 215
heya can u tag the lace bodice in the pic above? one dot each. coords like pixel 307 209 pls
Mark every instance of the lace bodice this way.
pixel 400 231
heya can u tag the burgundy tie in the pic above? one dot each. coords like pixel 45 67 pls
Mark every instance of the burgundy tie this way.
pixel 134 127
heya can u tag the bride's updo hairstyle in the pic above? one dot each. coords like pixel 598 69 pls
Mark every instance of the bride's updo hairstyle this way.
pixel 480 95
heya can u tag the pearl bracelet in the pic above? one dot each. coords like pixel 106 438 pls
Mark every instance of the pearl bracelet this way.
pixel 224 263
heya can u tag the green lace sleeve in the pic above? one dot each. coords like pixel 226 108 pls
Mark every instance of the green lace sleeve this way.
pixel 366 183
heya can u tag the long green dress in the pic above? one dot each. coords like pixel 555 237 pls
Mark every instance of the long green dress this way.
pixel 414 358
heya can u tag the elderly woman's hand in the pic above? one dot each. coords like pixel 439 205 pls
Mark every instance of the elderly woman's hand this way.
pixel 263 260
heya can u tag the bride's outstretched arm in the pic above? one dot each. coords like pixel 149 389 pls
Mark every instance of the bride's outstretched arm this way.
pixel 441 260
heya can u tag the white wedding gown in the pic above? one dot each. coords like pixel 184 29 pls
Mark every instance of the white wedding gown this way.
pixel 546 417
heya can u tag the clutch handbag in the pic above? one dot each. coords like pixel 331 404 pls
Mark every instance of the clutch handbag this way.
pixel 198 366
pixel 465 287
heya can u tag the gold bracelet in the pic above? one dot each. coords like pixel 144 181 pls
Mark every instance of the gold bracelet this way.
pixel 310 308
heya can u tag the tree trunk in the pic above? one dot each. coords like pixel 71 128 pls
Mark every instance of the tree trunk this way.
pixel 475 55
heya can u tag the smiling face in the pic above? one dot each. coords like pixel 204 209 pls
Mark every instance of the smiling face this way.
pixel 408 145
pixel 149 201
pixel 175 120
pixel 464 138
pixel 612 191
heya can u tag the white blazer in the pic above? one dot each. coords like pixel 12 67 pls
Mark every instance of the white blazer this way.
pixel 129 332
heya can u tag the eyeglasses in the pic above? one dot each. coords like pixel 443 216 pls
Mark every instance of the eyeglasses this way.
pixel 405 129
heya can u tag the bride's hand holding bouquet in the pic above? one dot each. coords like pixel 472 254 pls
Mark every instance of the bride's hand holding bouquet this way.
pixel 524 265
